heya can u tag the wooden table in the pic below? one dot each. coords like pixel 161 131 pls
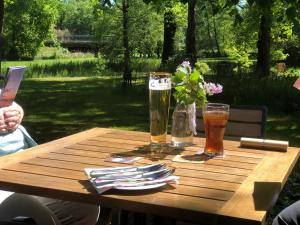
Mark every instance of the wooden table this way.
pixel 238 189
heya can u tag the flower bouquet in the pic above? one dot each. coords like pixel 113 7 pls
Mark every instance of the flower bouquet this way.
pixel 190 91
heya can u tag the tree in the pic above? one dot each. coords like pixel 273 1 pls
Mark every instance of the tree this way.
pixel 263 44
pixel 190 46
pixel 264 38
pixel 267 15
pixel 169 33
pixel 127 76
pixel 124 7
pixel 27 24
pixel 77 16
pixel 145 29
pixel 170 27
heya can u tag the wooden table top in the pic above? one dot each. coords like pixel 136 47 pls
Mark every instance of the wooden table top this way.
pixel 237 189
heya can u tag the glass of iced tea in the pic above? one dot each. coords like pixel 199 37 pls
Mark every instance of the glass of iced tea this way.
pixel 215 117
pixel 159 104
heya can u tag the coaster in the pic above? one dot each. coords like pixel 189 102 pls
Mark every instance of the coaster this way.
pixel 197 158
pixel 123 159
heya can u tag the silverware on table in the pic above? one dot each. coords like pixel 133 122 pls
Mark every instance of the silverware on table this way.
pixel 133 178
pixel 128 169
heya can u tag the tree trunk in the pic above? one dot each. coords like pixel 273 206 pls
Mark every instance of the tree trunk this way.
pixel 190 43
pixel 127 76
pixel 1 32
pixel 216 37
pixel 263 47
pixel 209 34
pixel 169 35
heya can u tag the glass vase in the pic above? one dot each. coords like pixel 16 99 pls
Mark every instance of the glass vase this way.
pixel 183 125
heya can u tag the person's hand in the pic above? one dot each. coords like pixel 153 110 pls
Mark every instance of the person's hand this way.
pixel 11 117
pixel 3 126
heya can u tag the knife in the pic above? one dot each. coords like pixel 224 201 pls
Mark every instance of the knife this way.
pixel 120 170
pixel 153 175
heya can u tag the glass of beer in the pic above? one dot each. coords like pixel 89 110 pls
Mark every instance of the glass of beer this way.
pixel 215 117
pixel 159 103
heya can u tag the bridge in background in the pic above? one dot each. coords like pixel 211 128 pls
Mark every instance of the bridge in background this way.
pixel 84 43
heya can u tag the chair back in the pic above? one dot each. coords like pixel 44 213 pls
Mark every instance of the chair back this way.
pixel 244 121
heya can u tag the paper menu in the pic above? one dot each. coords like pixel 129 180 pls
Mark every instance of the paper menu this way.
pixel 11 85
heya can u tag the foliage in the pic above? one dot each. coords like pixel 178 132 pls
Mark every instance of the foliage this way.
pixel 241 58
pixel 145 30
pixel 60 53
pixel 278 55
pixel 107 30
pixel 190 86
pixel 77 16
pixel 292 72
pixel 180 11
pixel 82 67
pixel 245 33
pixel 282 32
pixel 27 24
pixel 281 15
pixel 215 28
pixel 275 92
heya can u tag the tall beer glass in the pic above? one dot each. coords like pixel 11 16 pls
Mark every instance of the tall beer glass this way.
pixel 215 117
pixel 159 103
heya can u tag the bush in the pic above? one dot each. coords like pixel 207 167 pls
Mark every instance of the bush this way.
pixel 25 35
pixel 137 64
pixel 59 68
pixel 277 93
pixel 80 67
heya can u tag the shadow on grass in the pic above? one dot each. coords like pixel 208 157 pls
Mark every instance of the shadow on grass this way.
pixel 284 127
pixel 60 107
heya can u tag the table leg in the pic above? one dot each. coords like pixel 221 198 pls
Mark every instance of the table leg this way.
pixel 116 216
pixel 105 216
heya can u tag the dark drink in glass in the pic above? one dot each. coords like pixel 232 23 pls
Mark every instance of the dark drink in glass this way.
pixel 215 117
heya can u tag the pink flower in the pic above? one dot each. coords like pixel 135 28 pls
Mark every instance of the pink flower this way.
pixel 187 65
pixel 212 89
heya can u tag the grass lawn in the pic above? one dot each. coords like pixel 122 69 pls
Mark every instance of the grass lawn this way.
pixel 56 107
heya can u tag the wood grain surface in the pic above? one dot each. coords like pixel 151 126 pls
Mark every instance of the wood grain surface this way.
pixel 237 189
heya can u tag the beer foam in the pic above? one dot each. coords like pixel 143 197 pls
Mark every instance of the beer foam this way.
pixel 160 84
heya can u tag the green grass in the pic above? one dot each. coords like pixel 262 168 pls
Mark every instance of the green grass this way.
pixel 59 67
pixel 284 127
pixel 44 61
pixel 60 53
pixel 56 107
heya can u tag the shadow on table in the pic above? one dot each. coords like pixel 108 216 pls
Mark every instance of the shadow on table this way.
pixel 265 194
pixel 151 153
pixel 89 187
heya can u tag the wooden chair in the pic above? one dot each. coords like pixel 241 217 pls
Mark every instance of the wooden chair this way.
pixel 244 121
